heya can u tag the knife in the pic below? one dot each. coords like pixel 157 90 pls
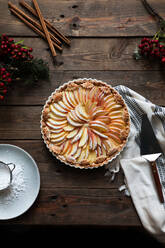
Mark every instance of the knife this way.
pixel 151 151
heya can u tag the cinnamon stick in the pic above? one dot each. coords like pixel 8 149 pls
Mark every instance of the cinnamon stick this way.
pixel 32 26
pixel 53 51
pixel 34 22
pixel 49 25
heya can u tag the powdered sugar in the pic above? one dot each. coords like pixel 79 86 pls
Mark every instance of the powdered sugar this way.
pixel 16 188
pixel 4 176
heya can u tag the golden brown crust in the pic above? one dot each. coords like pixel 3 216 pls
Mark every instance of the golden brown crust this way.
pixel 105 89
pixel 45 113
pixel 57 149
pixel 57 97
pixel 87 85
pixel 100 159
pixel 72 86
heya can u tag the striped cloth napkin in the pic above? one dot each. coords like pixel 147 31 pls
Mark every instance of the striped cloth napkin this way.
pixel 139 182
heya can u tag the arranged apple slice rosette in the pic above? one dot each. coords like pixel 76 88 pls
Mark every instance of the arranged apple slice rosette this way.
pixel 85 123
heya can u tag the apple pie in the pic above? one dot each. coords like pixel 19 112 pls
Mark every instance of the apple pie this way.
pixel 85 123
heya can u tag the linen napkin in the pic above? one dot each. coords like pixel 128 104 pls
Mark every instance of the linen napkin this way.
pixel 138 176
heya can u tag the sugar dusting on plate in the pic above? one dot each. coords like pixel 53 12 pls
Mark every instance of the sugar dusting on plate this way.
pixel 16 188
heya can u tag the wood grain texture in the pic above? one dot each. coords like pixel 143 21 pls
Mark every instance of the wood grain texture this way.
pixel 94 54
pixel 104 35
pixel 104 18
pixel 67 192
pixel 79 207
pixel 150 84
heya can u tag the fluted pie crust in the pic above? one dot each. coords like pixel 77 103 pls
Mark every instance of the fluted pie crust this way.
pixel 85 123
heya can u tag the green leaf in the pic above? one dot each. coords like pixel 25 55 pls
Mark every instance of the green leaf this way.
pixel 19 42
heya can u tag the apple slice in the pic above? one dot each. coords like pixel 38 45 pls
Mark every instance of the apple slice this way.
pixel 103 151
pixel 68 128
pixel 107 144
pixel 98 151
pixel 76 96
pixel 84 137
pixel 57 123
pixel 74 116
pixel 78 136
pixel 108 99
pixel 73 123
pixel 98 125
pixel 56 131
pixel 56 136
pixel 93 94
pixel 55 117
pixel 62 105
pixel 115 113
pixel 53 126
pixel 98 140
pixel 60 108
pixel 100 134
pixel 66 147
pixel 74 149
pixel 115 107
pixel 109 105
pixel 72 133
pixel 81 156
pixel 92 156
pixel 115 137
pixel 116 129
pixel 58 140
pixel 90 107
pixel 104 119
pixel 56 112
pixel 99 112
pixel 77 154
pixel 116 124
pixel 92 140
pixel 81 113
pixel 70 98
pixel 65 101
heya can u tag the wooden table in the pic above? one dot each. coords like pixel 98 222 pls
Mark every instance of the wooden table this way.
pixel 104 34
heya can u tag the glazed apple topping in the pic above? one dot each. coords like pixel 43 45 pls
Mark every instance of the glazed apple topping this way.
pixel 87 124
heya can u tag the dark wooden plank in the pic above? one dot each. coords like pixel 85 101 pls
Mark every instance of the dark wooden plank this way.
pixel 104 18
pixel 70 196
pixel 62 207
pixel 20 122
pixel 94 54
pixel 150 84
pixel 56 174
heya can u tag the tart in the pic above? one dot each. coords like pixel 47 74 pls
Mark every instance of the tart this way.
pixel 85 123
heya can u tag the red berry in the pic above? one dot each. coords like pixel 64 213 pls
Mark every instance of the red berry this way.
pixel 9 80
pixel 2 84
pixel 4 91
pixel 3 69
pixel 31 56
pixel 4 76
pixel 30 49
pixel 163 60
pixel 1 97
pixel 7 74
pixel 141 46
pixel 13 45
pixel 10 40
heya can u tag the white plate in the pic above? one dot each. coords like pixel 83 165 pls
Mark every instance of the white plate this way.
pixel 15 201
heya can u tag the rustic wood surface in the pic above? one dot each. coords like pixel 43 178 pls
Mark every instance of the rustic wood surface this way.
pixel 103 35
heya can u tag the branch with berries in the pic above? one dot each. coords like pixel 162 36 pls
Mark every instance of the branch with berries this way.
pixel 17 63
pixel 152 48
